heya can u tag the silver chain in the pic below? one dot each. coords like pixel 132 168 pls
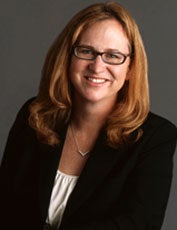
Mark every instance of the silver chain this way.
pixel 83 154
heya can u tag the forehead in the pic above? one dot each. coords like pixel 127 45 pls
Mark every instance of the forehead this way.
pixel 106 34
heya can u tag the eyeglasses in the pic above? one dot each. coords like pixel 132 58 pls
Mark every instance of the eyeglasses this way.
pixel 109 57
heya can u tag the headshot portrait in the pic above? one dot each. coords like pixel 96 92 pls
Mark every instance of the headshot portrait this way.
pixel 88 115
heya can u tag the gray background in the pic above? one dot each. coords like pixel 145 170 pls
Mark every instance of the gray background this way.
pixel 27 29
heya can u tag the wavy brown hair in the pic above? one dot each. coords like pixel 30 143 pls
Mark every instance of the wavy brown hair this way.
pixel 53 105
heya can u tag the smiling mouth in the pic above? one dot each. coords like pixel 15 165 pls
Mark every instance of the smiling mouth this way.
pixel 96 80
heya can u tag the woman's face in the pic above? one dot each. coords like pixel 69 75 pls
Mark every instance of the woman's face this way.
pixel 94 80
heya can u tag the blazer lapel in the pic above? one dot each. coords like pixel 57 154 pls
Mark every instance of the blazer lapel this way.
pixel 101 160
pixel 49 160
pixel 48 165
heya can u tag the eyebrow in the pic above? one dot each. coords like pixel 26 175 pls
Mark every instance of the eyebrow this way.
pixel 106 50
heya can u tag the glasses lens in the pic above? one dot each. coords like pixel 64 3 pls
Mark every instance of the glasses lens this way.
pixel 113 58
pixel 84 53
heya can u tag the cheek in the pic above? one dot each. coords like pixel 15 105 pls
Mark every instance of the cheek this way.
pixel 77 65
pixel 72 67
pixel 76 71
pixel 120 74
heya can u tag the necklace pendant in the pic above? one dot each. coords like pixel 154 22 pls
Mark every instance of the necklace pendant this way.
pixel 83 154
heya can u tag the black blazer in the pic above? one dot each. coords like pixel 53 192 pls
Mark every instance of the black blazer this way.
pixel 124 189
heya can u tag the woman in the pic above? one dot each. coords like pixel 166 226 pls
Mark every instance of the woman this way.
pixel 87 153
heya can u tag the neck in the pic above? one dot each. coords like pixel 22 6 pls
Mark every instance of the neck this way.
pixel 88 115
pixel 87 120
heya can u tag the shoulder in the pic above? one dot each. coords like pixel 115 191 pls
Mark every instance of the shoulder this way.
pixel 23 113
pixel 158 131
pixel 24 110
pixel 21 120
pixel 156 123
pixel 19 134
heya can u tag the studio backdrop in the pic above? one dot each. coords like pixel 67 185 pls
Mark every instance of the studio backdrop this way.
pixel 27 29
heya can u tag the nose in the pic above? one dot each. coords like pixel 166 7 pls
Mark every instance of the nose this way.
pixel 97 65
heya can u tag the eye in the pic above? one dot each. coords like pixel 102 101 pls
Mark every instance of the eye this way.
pixel 85 51
pixel 116 56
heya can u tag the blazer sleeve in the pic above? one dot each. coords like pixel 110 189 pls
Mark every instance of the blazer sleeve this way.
pixel 145 195
pixel 20 123
pixel 10 161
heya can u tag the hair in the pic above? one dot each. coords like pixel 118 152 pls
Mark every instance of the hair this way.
pixel 52 107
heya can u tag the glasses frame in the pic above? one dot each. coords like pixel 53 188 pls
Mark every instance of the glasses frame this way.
pixel 96 53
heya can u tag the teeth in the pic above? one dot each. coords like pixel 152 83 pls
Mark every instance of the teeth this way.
pixel 96 80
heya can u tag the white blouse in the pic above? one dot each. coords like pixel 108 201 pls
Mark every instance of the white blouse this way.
pixel 63 186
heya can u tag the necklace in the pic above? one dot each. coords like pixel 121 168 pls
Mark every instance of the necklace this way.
pixel 83 154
